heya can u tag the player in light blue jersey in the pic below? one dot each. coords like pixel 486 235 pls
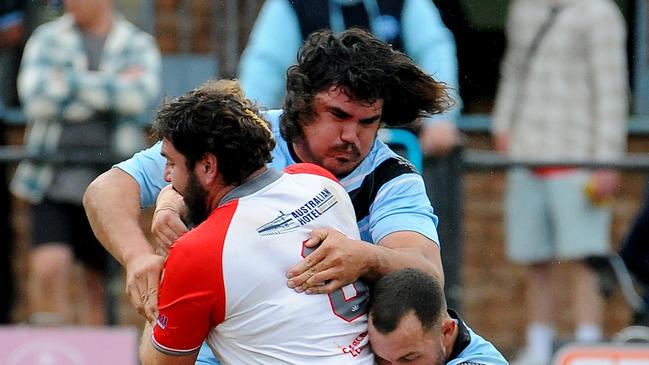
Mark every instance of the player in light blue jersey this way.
pixel 342 89
pixel 410 323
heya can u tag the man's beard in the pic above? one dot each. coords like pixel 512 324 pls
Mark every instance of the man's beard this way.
pixel 336 168
pixel 441 357
pixel 195 198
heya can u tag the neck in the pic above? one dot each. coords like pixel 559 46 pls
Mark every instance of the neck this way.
pixel 101 25
pixel 223 190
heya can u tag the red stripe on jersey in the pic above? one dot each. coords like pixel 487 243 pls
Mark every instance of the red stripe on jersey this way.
pixel 309 168
pixel 192 292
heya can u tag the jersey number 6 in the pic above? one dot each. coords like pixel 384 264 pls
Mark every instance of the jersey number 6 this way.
pixel 348 302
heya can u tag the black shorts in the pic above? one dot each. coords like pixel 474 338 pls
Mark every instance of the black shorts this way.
pixel 67 223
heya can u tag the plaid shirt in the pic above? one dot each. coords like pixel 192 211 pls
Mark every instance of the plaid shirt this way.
pixel 572 102
pixel 54 85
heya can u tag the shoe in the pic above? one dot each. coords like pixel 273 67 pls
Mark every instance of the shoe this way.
pixel 527 358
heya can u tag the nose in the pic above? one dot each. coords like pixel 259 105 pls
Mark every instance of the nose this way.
pixel 167 174
pixel 349 133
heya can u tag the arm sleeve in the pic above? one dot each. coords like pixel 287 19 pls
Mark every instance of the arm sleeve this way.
pixel 272 48
pixel 190 298
pixel 402 205
pixel 432 45
pixel 608 70
pixel 147 168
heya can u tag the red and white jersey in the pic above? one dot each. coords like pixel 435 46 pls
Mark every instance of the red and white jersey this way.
pixel 225 280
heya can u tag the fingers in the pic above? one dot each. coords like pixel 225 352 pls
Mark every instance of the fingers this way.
pixel 315 275
pixel 150 303
pixel 316 237
pixel 142 286
pixel 166 227
pixel 165 237
pixel 298 272
pixel 328 288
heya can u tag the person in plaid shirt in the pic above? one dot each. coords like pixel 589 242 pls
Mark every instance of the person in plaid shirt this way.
pixel 84 80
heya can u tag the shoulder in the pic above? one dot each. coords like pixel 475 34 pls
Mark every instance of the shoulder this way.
pixel 311 169
pixel 215 226
pixel 201 248
pixel 50 29
pixel 125 28
pixel 382 159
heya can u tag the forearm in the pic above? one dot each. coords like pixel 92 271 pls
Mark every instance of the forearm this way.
pixel 112 206
pixel 401 250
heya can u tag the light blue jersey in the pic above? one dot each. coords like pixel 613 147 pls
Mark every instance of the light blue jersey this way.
pixel 471 349
pixel 387 192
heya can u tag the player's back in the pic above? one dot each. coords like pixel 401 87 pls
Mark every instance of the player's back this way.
pixel 265 322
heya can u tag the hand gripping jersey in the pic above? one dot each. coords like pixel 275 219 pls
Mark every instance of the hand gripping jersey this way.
pixel 225 279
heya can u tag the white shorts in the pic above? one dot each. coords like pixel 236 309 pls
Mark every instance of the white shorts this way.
pixel 552 218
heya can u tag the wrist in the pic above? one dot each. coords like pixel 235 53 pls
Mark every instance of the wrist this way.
pixel 139 251
pixel 374 261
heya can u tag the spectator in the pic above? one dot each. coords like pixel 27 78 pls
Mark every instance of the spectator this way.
pixel 412 26
pixel 84 78
pixel 562 97
pixel 410 323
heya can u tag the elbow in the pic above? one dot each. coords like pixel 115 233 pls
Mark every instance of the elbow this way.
pixel 99 190
pixel 89 195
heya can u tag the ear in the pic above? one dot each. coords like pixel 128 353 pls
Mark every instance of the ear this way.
pixel 449 327
pixel 207 169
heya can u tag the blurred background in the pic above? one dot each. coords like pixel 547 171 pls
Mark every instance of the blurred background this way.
pixel 201 39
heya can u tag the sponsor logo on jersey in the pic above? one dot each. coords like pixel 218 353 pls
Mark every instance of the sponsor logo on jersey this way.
pixel 356 347
pixel 162 321
pixel 306 213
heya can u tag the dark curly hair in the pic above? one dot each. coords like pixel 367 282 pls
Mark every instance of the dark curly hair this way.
pixel 365 68
pixel 216 118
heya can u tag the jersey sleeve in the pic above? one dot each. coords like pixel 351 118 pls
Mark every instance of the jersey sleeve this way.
pixel 401 204
pixel 147 168
pixel 192 295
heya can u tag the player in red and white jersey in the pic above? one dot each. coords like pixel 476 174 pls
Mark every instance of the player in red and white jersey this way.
pixel 224 281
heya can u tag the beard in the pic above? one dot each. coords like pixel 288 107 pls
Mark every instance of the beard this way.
pixel 195 198
pixel 338 168
pixel 441 357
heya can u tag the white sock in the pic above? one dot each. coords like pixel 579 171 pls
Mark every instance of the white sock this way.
pixel 588 333
pixel 540 340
